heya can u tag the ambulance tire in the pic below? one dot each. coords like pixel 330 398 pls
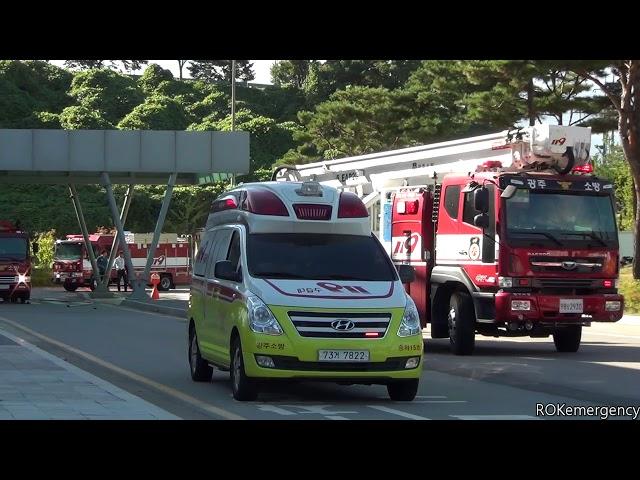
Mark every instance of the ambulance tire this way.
pixel 567 339
pixel 462 324
pixel 403 391
pixel 244 389
pixel 201 371
pixel 165 283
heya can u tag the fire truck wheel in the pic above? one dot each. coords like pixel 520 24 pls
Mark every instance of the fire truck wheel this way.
pixel 200 369
pixel 567 339
pixel 70 288
pixel 461 319
pixel 165 283
pixel 244 389
pixel 403 391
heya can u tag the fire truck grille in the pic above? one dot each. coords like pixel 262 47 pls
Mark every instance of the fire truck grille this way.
pixel 340 325
pixel 8 280
pixel 567 264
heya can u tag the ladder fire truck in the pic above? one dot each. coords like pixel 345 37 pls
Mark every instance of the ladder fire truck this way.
pixel 15 263
pixel 172 259
pixel 510 234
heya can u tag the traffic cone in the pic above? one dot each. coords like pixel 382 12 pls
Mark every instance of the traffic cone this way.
pixel 155 294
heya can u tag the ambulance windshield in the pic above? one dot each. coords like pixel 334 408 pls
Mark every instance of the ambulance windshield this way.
pixel 318 257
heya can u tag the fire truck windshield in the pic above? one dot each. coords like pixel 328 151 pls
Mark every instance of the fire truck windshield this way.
pixel 12 248
pixel 560 219
pixel 318 257
pixel 68 251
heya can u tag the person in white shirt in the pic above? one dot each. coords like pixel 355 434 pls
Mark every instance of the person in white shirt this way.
pixel 122 271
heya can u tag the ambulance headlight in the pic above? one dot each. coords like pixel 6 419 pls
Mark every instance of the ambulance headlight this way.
pixel 410 324
pixel 261 320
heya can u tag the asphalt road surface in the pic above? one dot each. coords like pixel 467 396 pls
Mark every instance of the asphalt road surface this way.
pixel 146 354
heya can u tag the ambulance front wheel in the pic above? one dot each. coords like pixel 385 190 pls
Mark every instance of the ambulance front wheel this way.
pixel 201 371
pixel 403 390
pixel 244 389
pixel 462 323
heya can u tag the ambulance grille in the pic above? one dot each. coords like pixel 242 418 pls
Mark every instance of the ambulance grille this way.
pixel 340 325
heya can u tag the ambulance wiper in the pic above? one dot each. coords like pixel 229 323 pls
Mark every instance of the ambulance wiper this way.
pixel 345 277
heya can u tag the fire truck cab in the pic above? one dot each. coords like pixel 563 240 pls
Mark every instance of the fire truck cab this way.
pixel 15 263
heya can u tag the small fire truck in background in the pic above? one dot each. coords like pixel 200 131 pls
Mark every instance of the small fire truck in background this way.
pixel 15 263
pixel 510 235
pixel 172 259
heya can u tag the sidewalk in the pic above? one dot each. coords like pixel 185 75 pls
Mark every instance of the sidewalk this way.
pixel 35 385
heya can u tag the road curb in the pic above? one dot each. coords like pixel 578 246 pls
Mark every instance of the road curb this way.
pixel 152 307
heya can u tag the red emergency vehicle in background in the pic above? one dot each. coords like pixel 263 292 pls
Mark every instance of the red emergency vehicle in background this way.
pixel 172 259
pixel 509 233
pixel 518 251
pixel 15 263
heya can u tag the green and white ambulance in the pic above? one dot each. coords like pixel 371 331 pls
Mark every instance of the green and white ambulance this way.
pixel 290 283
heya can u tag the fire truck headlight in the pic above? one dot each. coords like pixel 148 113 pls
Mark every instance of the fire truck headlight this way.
pixel 505 282
pixel 612 306
pixel 24 278
pixel 410 324
pixel 261 320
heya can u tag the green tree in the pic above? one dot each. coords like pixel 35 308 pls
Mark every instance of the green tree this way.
pixel 152 76
pixel 220 70
pixel 81 117
pixel 612 165
pixel 111 94
pixel 293 73
pixel 129 65
pixel 156 113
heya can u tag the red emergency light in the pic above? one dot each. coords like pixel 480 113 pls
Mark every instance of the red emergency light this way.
pixel 408 208
pixel 607 283
pixel 492 164
pixel 351 206
pixel 264 202
pixel 586 168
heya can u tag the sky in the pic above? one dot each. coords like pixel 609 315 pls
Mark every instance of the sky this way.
pixel 260 67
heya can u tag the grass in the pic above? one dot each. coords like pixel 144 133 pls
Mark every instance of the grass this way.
pixel 630 288
pixel 41 277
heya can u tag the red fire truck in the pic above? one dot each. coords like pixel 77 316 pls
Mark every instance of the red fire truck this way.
pixel 172 259
pixel 15 263
pixel 510 234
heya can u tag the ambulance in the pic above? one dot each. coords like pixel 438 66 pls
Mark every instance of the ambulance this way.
pixel 289 283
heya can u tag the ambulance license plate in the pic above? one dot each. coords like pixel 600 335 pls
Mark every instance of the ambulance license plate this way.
pixel 343 355
pixel 571 305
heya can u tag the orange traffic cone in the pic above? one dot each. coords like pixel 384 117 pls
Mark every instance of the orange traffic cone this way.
pixel 155 294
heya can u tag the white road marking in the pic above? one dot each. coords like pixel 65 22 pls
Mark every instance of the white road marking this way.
pixel 273 409
pixel 336 417
pixel 494 417
pixel 318 410
pixel 398 412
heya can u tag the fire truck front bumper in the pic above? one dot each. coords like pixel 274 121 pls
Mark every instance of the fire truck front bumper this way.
pixel 544 308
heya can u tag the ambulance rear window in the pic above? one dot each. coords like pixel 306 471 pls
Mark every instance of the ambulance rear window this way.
pixel 318 257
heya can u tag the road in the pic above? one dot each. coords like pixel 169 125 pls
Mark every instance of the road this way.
pixel 146 354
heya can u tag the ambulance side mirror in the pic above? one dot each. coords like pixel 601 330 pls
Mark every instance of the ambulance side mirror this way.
pixel 407 273
pixel 481 200
pixel 225 270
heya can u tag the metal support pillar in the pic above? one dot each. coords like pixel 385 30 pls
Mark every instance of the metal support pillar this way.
pixel 116 239
pixel 158 230
pixel 83 228
pixel 136 285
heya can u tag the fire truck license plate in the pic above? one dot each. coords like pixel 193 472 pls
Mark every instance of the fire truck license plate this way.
pixel 571 305
pixel 343 355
